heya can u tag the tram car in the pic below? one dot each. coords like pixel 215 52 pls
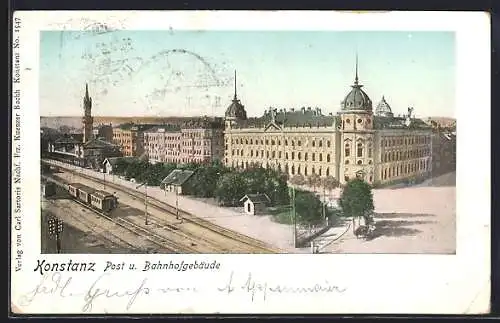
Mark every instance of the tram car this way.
pixel 100 200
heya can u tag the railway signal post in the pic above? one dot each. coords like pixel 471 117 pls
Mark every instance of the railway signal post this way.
pixel 55 229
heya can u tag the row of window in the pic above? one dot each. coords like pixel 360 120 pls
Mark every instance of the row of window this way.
pixel 359 150
pixel 272 154
pixel 186 143
pixel 396 171
pixel 402 155
pixel 390 142
pixel 288 170
pixel 348 121
pixel 273 142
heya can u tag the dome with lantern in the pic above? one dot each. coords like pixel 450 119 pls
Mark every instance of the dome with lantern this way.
pixel 384 109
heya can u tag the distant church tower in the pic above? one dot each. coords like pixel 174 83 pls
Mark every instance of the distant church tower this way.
pixel 88 120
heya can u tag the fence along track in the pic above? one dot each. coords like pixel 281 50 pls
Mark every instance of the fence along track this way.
pixel 254 243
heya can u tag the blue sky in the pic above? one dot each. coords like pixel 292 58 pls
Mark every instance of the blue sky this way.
pixel 165 73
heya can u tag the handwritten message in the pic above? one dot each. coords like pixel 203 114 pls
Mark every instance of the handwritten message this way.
pixel 101 290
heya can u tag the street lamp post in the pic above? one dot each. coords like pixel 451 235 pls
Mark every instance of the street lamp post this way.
pixel 294 218
pixel 55 230
pixel 177 216
pixel 145 201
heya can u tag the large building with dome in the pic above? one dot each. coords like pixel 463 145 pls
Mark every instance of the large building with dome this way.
pixel 356 142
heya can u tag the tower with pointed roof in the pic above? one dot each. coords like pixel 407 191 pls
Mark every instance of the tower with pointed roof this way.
pixel 356 134
pixel 88 120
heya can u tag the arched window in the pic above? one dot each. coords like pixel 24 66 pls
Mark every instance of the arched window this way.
pixel 328 171
pixel 314 143
pixel 305 156
pixel 293 170
pixel 321 143
pixel 328 157
pixel 293 155
pixel 298 169
pixel 299 155
pixel 347 150
pixel 320 156
pixel 319 171
pixel 360 149
pixel 286 155
pixel 369 150
pixel 305 171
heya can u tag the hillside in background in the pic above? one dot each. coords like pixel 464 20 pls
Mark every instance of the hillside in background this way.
pixel 76 122
pixel 442 121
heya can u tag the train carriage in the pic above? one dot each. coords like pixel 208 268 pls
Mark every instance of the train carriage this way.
pixel 81 192
pixel 103 200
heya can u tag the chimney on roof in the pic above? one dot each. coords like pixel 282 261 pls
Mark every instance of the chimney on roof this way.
pixel 303 109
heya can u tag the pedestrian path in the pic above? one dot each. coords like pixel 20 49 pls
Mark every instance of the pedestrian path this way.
pixel 334 234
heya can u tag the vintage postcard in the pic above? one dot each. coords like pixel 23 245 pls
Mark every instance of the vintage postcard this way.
pixel 250 162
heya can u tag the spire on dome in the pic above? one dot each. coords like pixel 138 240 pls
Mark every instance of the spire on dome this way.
pixel 356 79
pixel 235 96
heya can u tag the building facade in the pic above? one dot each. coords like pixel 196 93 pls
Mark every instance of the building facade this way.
pixel 195 141
pixel 130 138
pixel 356 143
pixel 104 132
pixel 163 144
pixel 444 145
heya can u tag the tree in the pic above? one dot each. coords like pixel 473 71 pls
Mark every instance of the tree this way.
pixel 204 183
pixel 120 166
pixel 307 207
pixel 313 181
pixel 298 180
pixel 230 188
pixel 329 183
pixel 357 200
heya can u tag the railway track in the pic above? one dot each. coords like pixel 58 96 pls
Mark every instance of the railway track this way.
pixel 154 238
pixel 207 245
pixel 237 241
pixel 181 243
pixel 91 227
